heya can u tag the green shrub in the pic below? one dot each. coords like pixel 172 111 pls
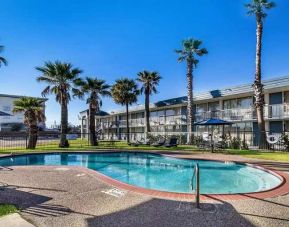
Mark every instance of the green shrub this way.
pixel 235 143
pixel 285 139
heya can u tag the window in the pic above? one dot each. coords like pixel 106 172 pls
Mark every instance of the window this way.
pixel 214 106
pixel 227 104
pixel 245 103
pixel 276 127
pixel 6 108
pixel 170 112
pixel 241 103
pixel 201 108
pixel 161 113
pixel 140 115
pixel 154 114
pixel 286 97
pixel 275 98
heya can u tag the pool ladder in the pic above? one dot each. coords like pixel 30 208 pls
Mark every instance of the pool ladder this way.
pixel 197 191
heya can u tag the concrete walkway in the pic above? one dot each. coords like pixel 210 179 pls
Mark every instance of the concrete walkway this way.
pixel 69 196
pixel 14 220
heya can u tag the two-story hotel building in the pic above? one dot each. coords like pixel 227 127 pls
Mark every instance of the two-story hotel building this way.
pixel 233 104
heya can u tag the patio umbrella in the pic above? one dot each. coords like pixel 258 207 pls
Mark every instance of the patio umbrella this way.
pixel 212 122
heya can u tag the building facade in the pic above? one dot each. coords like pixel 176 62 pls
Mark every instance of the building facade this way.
pixel 10 121
pixel 235 104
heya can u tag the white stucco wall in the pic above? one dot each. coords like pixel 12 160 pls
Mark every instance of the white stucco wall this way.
pixel 6 106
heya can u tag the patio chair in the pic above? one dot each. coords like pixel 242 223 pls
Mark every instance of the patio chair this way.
pixel 206 136
pixel 159 143
pixel 204 145
pixel 146 142
pixel 171 143
pixel 135 143
pixel 220 145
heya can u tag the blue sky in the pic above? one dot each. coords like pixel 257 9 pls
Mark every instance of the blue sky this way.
pixel 116 38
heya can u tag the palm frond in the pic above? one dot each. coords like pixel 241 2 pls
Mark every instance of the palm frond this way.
pixel 190 49
pixel 258 7
pixel 63 76
pixel 46 91
pixel 3 61
pixel 125 91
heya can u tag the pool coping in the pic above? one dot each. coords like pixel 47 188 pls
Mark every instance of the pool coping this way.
pixel 279 190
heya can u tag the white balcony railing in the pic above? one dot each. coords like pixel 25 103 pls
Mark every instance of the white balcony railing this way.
pixel 229 115
pixel 278 111
pixel 168 120
pixel 139 122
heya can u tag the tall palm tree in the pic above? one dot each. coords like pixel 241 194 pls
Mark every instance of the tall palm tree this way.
pixel 257 8
pixel 191 48
pixel 95 89
pixel 61 77
pixel 2 59
pixel 125 92
pixel 33 115
pixel 149 81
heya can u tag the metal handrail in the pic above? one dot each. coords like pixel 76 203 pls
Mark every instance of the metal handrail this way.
pixel 197 176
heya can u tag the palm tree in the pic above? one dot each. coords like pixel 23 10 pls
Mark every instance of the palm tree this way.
pixel 2 59
pixel 190 50
pixel 149 81
pixel 33 115
pixel 257 8
pixel 94 89
pixel 125 92
pixel 61 77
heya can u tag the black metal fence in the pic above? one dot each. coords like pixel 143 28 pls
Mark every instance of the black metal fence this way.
pixel 234 140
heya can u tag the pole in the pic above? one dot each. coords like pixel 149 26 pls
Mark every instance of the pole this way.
pixel 212 144
pixel 197 186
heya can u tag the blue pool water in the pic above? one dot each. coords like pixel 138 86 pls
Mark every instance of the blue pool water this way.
pixel 159 172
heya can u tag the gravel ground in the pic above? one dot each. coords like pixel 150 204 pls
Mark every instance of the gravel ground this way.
pixel 69 196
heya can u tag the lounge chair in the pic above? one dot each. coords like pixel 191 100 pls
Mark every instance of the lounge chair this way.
pixel 159 143
pixel 135 143
pixel 171 143
pixel 146 142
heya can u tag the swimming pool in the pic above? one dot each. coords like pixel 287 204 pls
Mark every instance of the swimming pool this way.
pixel 158 172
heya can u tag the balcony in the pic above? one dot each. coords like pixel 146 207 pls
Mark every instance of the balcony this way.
pixel 277 112
pixel 110 124
pixel 169 120
pixel 228 115
pixel 139 122
pixel 274 112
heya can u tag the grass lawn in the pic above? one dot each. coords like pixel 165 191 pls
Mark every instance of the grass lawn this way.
pixel 7 209
pixel 266 155
pixel 82 145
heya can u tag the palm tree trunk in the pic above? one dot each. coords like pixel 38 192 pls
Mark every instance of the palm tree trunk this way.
pixel 63 125
pixel 258 87
pixel 147 110
pixel 92 134
pixel 32 129
pixel 190 118
pixel 127 123
pixel 32 136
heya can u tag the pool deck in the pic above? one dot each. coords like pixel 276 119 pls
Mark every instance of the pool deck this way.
pixel 75 196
